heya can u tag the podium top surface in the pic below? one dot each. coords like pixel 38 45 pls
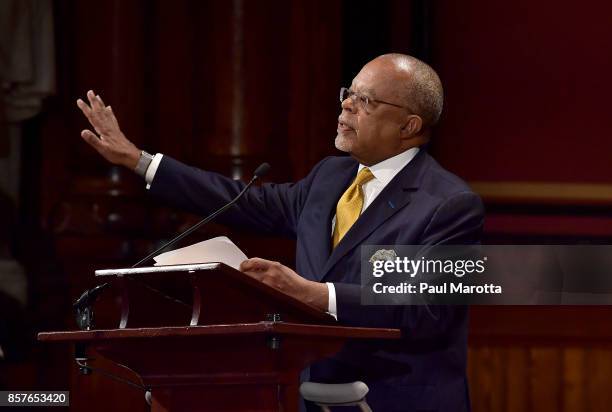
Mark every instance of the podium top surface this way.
pixel 260 328
pixel 157 269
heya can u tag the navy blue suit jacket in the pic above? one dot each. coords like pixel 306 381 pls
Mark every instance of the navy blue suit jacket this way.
pixel 423 204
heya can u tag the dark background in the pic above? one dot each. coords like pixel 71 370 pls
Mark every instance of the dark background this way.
pixel 225 85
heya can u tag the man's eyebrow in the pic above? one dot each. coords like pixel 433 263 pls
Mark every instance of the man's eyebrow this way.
pixel 369 92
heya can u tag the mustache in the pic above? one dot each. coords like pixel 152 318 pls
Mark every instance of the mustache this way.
pixel 344 122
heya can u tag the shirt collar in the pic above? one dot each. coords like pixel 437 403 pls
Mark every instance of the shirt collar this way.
pixel 387 169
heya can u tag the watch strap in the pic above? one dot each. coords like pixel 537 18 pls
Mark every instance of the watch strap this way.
pixel 143 163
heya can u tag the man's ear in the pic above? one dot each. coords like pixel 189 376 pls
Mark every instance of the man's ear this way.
pixel 412 127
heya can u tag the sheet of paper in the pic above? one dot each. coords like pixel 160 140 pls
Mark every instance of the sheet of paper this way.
pixel 218 249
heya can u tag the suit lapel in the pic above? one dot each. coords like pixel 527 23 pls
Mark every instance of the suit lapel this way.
pixel 331 189
pixel 394 197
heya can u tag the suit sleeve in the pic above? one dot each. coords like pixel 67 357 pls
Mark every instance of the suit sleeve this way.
pixel 269 208
pixel 458 220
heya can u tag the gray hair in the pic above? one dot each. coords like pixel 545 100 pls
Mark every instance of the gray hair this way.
pixel 423 92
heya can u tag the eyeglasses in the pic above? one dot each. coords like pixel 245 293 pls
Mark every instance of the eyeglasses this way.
pixel 363 100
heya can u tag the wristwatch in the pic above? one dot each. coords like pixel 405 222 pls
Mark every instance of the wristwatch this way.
pixel 143 163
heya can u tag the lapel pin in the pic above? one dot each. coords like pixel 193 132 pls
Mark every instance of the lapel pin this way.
pixel 383 254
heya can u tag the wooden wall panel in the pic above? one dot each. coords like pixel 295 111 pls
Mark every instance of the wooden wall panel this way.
pixel 526 112
pixel 597 382
pixel 525 86
pixel 534 377
pixel 485 379
pixel 516 371
pixel 574 376
pixel 315 62
pixel 545 366
pixel 171 68
pixel 540 358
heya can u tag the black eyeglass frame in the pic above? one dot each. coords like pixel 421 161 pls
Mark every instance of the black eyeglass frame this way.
pixel 346 93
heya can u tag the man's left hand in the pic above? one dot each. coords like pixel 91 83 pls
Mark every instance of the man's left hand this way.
pixel 287 281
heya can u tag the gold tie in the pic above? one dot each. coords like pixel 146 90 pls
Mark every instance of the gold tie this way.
pixel 350 205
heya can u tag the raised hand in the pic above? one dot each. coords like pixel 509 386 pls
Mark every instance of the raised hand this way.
pixel 109 141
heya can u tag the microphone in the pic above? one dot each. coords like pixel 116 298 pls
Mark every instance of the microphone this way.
pixel 259 172
pixel 83 304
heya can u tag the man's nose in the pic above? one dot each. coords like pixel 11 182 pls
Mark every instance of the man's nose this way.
pixel 348 104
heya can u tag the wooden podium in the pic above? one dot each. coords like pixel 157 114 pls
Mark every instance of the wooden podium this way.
pixel 207 337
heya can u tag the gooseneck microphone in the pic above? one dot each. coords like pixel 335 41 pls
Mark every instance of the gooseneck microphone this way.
pixel 259 172
pixel 82 306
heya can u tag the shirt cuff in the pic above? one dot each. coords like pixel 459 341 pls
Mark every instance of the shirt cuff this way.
pixel 152 169
pixel 331 301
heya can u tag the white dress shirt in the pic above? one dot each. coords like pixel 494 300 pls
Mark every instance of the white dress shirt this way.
pixel 383 173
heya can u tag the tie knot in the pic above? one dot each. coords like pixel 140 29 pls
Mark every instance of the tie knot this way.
pixel 363 177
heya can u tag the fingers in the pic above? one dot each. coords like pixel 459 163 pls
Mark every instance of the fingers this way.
pixel 255 264
pixel 95 100
pixel 84 107
pixel 91 97
pixel 100 117
pixel 110 116
pixel 95 103
pixel 91 138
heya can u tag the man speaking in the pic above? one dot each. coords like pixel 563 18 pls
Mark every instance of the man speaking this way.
pixel 388 191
